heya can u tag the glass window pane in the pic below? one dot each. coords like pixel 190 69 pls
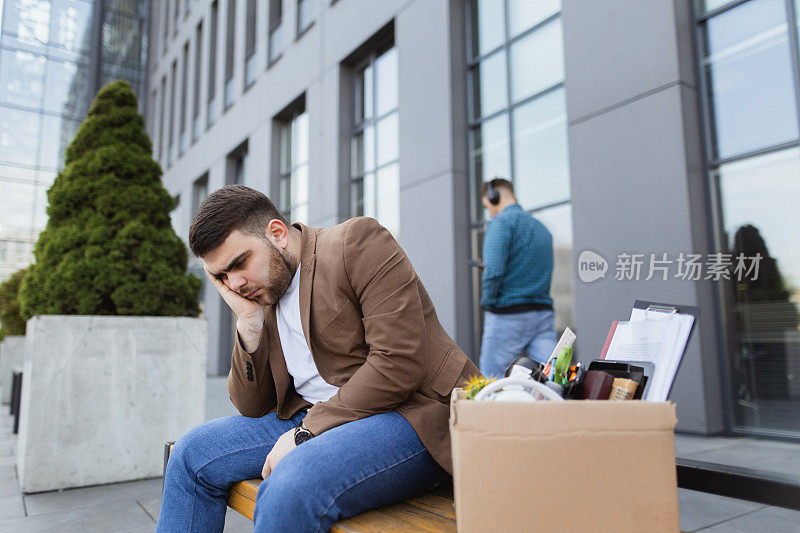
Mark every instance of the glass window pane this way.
pixel 759 198
pixel 523 14
pixel 357 155
pixel 285 194
pixel 357 198
pixel 306 14
pixel 29 20
pixel 388 199
pixel 370 209
pixel 21 78
pixel 300 130
pixel 19 201
pixel 386 81
pixel 750 70
pixel 537 61
pixel 558 221
pixel 541 160
pixel 369 149
pixel 286 148
pixel 275 42
pixel 364 94
pixel 387 139
pixel 61 83
pixel 300 185
pixel 489 155
pixel 487 28
pixel 57 133
pixel 490 150
pixel 300 213
pixel 19 136
pixel 489 85
pixel 71 21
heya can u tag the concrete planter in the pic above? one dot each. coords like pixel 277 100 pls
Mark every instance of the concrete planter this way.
pixel 12 351
pixel 102 394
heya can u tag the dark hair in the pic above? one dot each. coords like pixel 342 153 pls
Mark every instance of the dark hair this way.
pixel 497 184
pixel 233 207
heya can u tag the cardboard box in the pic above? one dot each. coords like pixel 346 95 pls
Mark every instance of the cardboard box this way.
pixel 564 466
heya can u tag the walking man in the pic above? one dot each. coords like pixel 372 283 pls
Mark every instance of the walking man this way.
pixel 518 259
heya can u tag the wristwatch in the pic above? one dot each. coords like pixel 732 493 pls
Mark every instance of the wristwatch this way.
pixel 301 434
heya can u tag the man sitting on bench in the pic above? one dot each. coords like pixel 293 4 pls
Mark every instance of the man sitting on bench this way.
pixel 340 368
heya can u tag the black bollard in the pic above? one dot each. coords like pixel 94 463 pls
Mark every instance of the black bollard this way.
pixel 16 396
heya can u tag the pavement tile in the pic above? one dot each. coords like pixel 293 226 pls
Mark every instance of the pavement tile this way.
pixel 768 519
pixel 115 516
pixel 100 495
pixel 700 509
pixel 11 507
pixel 8 461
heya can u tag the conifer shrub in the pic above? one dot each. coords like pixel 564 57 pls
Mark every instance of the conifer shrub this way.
pixel 11 321
pixel 109 247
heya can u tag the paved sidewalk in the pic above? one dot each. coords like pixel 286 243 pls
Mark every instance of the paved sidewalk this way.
pixel 133 507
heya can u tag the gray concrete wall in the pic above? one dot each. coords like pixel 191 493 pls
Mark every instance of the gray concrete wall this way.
pixel 433 176
pixel 636 175
pixel 101 395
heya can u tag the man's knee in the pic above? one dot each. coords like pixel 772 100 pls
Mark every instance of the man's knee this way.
pixel 291 491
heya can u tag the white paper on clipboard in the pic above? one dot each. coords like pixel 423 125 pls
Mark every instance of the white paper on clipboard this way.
pixel 667 365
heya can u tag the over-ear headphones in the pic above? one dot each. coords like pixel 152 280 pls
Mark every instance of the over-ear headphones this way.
pixel 492 194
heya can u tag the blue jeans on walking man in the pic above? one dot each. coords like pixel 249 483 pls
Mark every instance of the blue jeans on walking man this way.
pixel 505 336
pixel 346 470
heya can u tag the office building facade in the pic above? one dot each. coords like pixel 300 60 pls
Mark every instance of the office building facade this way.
pixel 54 57
pixel 661 137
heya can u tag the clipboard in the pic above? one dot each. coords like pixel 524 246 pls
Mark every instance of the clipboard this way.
pixel 671 308
pixel 667 363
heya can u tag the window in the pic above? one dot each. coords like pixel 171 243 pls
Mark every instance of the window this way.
pixel 275 30
pixel 183 138
pixel 250 44
pixel 236 165
pixel 751 95
pixel 230 40
pixel 177 15
pixel 165 29
pixel 306 14
pixel 162 136
pixel 374 173
pixel 171 117
pixel 518 126
pixel 198 56
pixel 291 185
pixel 211 115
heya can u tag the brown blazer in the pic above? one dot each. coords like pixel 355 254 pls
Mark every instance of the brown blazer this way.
pixel 373 332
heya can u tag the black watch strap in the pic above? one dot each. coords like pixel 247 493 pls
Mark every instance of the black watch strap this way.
pixel 301 434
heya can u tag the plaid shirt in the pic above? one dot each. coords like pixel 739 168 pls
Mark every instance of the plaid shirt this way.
pixel 518 254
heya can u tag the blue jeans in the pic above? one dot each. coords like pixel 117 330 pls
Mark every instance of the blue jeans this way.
pixel 505 336
pixel 344 471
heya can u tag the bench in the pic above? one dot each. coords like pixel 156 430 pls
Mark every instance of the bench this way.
pixel 430 512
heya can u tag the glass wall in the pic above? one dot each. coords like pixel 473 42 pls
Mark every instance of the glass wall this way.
pixel 751 78
pixel 51 52
pixel 374 169
pixel 518 127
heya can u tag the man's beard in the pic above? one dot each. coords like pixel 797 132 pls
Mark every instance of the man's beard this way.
pixel 282 267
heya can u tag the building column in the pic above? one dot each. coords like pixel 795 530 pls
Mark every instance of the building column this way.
pixel 637 178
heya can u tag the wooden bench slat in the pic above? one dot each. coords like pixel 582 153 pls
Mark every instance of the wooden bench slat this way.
pixel 429 513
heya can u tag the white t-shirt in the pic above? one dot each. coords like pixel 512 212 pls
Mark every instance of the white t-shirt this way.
pixel 299 362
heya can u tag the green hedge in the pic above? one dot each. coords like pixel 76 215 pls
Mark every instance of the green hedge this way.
pixel 109 247
pixel 11 320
